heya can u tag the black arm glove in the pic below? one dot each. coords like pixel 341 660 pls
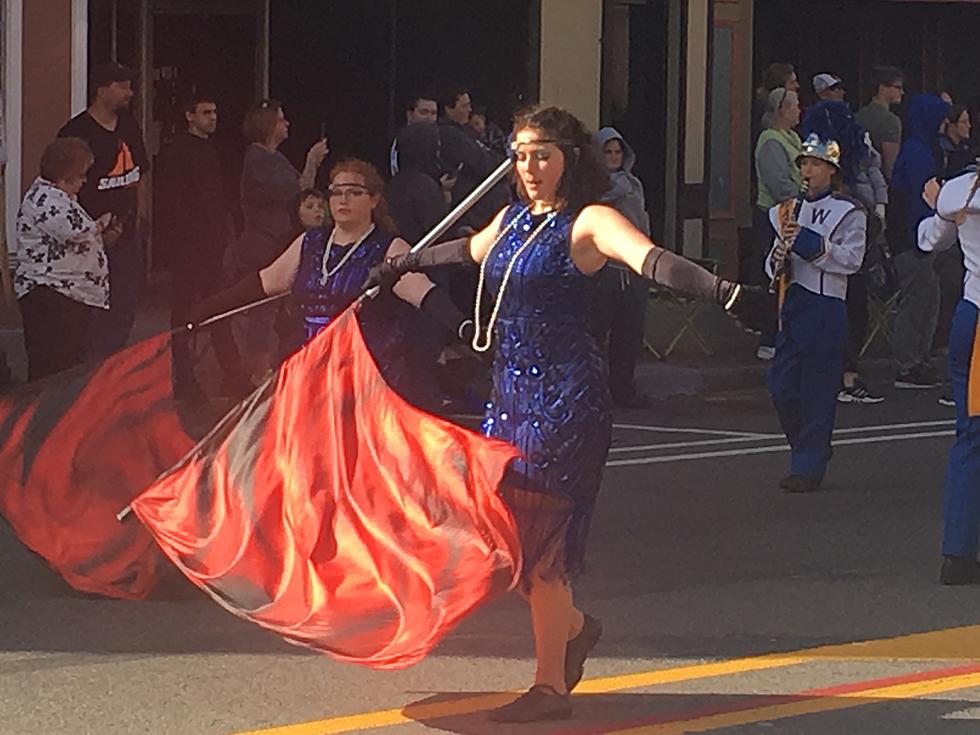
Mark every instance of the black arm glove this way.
pixel 245 291
pixel 387 272
pixel 677 273
pixel 437 304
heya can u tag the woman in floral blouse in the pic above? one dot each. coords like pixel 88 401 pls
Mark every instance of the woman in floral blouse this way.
pixel 60 270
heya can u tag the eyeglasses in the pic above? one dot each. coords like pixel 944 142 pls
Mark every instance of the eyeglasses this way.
pixel 346 190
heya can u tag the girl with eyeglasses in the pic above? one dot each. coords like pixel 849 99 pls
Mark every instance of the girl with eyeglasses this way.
pixel 325 268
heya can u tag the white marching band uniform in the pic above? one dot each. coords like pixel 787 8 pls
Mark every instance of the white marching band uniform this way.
pixel 957 216
pixel 806 371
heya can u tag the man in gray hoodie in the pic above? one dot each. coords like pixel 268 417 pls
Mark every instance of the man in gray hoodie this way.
pixel 621 296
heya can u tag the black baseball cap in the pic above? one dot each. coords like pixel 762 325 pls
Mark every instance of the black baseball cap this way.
pixel 105 74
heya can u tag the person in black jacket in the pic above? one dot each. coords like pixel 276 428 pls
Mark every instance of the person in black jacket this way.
pixel 416 198
pixel 466 157
pixel 193 230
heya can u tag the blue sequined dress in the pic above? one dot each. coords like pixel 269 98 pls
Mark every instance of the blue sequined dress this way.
pixel 387 323
pixel 550 393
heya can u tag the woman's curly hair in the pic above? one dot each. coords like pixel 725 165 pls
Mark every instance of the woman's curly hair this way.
pixel 585 178
pixel 834 121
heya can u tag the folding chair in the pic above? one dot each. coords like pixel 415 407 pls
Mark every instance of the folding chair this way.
pixel 686 309
pixel 881 312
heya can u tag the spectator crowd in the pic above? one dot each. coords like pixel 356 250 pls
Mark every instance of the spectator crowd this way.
pixel 79 255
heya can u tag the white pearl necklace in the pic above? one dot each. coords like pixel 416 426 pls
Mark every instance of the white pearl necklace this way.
pixel 483 346
pixel 325 273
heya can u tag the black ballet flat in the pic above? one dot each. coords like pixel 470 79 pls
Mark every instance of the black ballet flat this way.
pixel 539 703
pixel 578 649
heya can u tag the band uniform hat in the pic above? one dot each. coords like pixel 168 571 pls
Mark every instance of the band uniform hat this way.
pixel 105 74
pixel 825 150
pixel 824 81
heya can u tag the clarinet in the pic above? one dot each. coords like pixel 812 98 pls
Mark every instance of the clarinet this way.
pixel 781 266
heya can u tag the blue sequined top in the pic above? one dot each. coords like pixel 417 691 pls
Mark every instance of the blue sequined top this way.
pixel 389 325
pixel 320 299
pixel 550 390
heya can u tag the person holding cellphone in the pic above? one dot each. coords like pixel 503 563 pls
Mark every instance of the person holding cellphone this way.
pixel 61 273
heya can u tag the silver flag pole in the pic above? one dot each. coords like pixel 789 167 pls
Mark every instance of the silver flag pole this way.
pixel 495 177
pixel 465 205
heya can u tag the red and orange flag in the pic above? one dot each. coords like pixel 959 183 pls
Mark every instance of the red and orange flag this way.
pixel 77 447
pixel 330 511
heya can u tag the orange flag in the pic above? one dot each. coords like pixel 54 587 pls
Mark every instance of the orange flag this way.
pixel 330 511
pixel 77 447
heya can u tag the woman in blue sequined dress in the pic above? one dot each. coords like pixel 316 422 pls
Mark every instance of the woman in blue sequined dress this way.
pixel 325 268
pixel 550 391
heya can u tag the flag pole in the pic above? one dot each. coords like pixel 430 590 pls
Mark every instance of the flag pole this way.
pixel 466 204
pixel 495 177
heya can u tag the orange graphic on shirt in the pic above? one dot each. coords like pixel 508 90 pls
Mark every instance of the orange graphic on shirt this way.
pixel 124 171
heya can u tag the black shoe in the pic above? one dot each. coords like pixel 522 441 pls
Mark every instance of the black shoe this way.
pixel 578 649
pixel 799 484
pixel 957 570
pixel 858 393
pixel 917 378
pixel 540 702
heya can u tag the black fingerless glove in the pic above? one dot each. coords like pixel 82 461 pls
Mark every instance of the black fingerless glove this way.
pixel 680 274
pixel 387 273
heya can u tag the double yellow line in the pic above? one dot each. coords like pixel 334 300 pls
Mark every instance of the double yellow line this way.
pixel 953 644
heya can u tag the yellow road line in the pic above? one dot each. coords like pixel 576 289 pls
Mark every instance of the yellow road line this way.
pixel 853 699
pixel 948 644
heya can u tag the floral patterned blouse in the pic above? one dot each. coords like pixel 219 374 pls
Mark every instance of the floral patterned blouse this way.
pixel 59 246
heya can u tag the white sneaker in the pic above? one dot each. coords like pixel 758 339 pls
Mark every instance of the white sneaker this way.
pixel 765 352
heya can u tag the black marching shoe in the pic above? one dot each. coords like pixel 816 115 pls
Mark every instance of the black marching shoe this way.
pixel 957 570
pixel 540 702
pixel 799 484
pixel 578 649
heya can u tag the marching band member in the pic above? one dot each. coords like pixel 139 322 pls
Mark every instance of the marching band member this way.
pixel 822 246
pixel 957 215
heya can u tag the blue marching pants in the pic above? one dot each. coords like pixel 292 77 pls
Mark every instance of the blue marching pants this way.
pixel 805 376
pixel 961 507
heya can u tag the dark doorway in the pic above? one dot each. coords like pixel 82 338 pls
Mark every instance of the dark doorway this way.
pixel 350 66
pixel 643 121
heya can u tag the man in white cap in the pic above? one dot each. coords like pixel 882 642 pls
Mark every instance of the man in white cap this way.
pixel 828 87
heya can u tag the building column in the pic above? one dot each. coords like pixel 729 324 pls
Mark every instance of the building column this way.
pixel 689 113
pixel 571 57
pixel 13 24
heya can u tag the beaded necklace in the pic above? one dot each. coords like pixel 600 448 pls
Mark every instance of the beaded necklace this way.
pixel 488 338
pixel 327 273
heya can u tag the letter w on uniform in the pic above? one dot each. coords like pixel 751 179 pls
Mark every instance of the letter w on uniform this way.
pixel 819 214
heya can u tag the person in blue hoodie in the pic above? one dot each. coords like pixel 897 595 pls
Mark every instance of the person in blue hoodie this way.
pixel 919 160
pixel 621 297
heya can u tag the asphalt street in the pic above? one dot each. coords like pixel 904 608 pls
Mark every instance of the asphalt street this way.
pixel 728 607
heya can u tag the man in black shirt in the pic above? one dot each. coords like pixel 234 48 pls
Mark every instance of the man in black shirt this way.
pixel 115 184
pixel 192 231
